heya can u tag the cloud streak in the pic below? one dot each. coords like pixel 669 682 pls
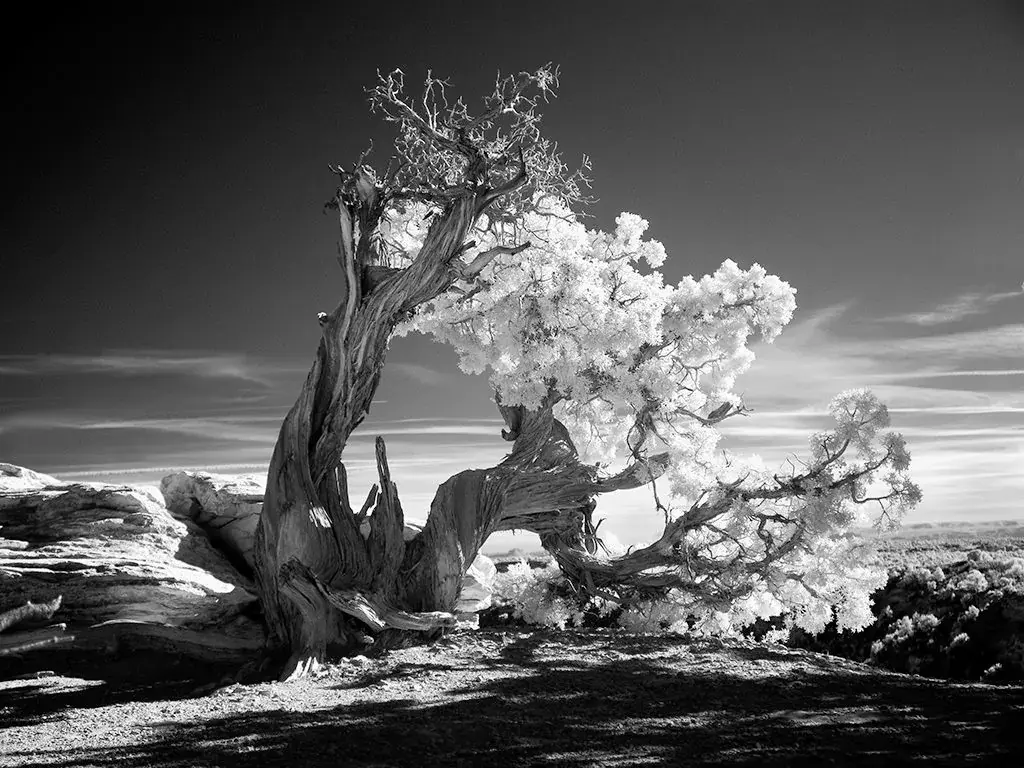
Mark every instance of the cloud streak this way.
pixel 958 396
pixel 207 365
pixel 237 428
pixel 811 362
pixel 259 428
pixel 418 373
pixel 963 306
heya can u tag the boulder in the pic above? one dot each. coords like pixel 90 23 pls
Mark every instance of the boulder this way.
pixel 125 567
pixel 226 507
pixel 14 479
pixel 477 586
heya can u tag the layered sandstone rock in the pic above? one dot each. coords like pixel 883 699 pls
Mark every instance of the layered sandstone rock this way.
pixel 226 507
pixel 124 566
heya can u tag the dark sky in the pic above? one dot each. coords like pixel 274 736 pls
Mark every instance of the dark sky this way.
pixel 166 176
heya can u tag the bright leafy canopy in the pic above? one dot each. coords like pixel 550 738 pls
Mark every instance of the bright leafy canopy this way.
pixel 641 373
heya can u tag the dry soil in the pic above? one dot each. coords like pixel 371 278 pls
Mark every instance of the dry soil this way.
pixel 515 698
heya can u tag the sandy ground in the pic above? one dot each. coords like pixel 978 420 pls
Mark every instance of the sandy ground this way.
pixel 517 698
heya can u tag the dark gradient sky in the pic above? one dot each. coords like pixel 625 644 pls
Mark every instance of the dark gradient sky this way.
pixel 163 233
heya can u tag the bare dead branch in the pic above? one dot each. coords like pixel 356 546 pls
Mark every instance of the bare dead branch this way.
pixel 371 499
pixel 480 262
pixel 511 185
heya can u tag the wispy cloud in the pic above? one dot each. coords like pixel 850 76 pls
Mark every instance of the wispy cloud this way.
pixel 145 363
pixel 964 305
pixel 371 431
pixel 957 396
pixel 939 373
pixel 418 373
pixel 812 361
pixel 997 344
pixel 258 429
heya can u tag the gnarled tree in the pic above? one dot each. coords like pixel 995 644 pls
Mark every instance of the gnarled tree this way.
pixel 606 379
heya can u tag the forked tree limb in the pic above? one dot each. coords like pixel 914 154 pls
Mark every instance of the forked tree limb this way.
pixel 477 265
pixel 572 485
pixel 672 563
pixel 553 494
pixel 511 185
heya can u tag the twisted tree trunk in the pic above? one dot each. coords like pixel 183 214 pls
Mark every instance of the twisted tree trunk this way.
pixel 328 576
pixel 332 578
pixel 315 568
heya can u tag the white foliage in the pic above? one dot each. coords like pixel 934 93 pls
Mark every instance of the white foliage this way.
pixel 531 595
pixel 572 311
pixel 587 315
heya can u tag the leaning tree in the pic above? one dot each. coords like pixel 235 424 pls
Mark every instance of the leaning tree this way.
pixel 606 379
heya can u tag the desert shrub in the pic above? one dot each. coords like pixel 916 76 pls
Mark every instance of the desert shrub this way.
pixel 540 595
pixel 964 621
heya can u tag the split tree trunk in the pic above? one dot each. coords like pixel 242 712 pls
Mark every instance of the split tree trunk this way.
pixel 331 578
pixel 323 584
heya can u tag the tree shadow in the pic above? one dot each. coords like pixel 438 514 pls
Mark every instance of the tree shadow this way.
pixel 588 711
pixel 107 680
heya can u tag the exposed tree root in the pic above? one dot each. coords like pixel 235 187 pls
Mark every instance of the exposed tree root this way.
pixel 316 601
pixel 116 638
pixel 20 642
pixel 30 612
pixel 299 666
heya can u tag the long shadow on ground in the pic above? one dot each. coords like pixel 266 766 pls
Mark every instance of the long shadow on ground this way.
pixel 586 711
pixel 138 677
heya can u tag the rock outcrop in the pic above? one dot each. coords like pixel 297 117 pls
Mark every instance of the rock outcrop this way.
pixel 226 507
pixel 478 585
pixel 127 570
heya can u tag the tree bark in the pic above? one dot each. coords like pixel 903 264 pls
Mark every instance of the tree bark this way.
pixel 323 578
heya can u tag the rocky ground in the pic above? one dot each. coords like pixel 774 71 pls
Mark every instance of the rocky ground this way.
pixel 516 698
